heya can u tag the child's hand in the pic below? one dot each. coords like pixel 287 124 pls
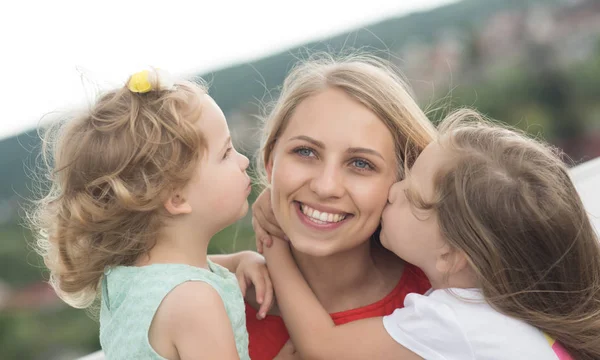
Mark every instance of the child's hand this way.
pixel 287 352
pixel 252 270
pixel 263 221
pixel 279 251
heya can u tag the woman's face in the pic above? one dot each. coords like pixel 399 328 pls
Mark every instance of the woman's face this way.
pixel 330 173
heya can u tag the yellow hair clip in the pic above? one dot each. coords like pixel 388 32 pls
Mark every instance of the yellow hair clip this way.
pixel 140 82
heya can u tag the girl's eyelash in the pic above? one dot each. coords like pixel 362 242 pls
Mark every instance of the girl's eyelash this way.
pixel 227 152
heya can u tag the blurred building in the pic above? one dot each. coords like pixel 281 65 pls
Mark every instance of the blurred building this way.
pixel 36 296
pixel 565 34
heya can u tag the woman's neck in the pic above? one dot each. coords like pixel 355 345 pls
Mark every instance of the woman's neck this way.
pixel 351 279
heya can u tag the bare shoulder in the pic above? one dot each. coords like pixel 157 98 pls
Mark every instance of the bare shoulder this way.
pixel 193 319
pixel 183 303
pixel 180 311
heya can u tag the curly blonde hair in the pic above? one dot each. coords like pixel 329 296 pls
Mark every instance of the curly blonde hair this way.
pixel 110 170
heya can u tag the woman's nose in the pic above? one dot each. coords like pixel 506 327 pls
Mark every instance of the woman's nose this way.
pixel 328 182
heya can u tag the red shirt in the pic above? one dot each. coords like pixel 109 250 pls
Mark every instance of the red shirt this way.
pixel 268 336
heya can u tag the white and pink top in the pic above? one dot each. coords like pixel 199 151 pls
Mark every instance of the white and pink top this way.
pixel 457 324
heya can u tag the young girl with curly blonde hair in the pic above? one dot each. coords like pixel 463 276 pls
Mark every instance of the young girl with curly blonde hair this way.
pixel 140 184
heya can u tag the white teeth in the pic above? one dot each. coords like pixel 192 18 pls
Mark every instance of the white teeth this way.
pixel 316 214
pixel 321 217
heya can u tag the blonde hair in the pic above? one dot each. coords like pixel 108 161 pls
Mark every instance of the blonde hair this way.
pixel 369 80
pixel 110 169
pixel 508 203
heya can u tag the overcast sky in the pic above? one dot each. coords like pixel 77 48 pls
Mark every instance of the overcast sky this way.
pixel 47 45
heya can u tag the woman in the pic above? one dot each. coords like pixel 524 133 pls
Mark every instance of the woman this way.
pixel 333 144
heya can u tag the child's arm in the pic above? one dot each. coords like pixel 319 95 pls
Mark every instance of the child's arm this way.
pixel 250 269
pixel 229 261
pixel 193 318
pixel 287 352
pixel 311 329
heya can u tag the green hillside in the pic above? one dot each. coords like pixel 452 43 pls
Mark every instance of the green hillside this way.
pixel 246 87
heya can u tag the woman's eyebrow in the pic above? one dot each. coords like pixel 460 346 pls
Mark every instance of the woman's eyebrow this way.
pixel 360 150
pixel 315 142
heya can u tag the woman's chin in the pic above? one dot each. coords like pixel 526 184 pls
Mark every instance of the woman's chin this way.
pixel 321 247
pixel 313 248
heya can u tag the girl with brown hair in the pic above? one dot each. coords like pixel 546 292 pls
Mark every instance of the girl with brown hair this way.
pixel 494 221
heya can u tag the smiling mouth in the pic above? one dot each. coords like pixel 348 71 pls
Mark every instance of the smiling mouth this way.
pixel 321 217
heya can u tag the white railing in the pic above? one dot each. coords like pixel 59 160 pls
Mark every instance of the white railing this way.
pixel 98 355
pixel 587 180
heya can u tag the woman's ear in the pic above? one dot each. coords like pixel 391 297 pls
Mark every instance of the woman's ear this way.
pixel 176 204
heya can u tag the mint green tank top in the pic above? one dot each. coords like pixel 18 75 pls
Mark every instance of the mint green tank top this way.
pixel 131 295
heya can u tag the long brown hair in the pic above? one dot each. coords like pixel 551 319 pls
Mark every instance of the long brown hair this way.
pixel 110 169
pixel 508 203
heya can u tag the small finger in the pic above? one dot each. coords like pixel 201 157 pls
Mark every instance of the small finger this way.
pixel 268 297
pixel 267 223
pixel 262 237
pixel 274 229
pixel 259 234
pixel 268 242
pixel 259 288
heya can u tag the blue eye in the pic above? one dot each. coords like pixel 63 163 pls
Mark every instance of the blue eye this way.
pixel 362 164
pixel 304 152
